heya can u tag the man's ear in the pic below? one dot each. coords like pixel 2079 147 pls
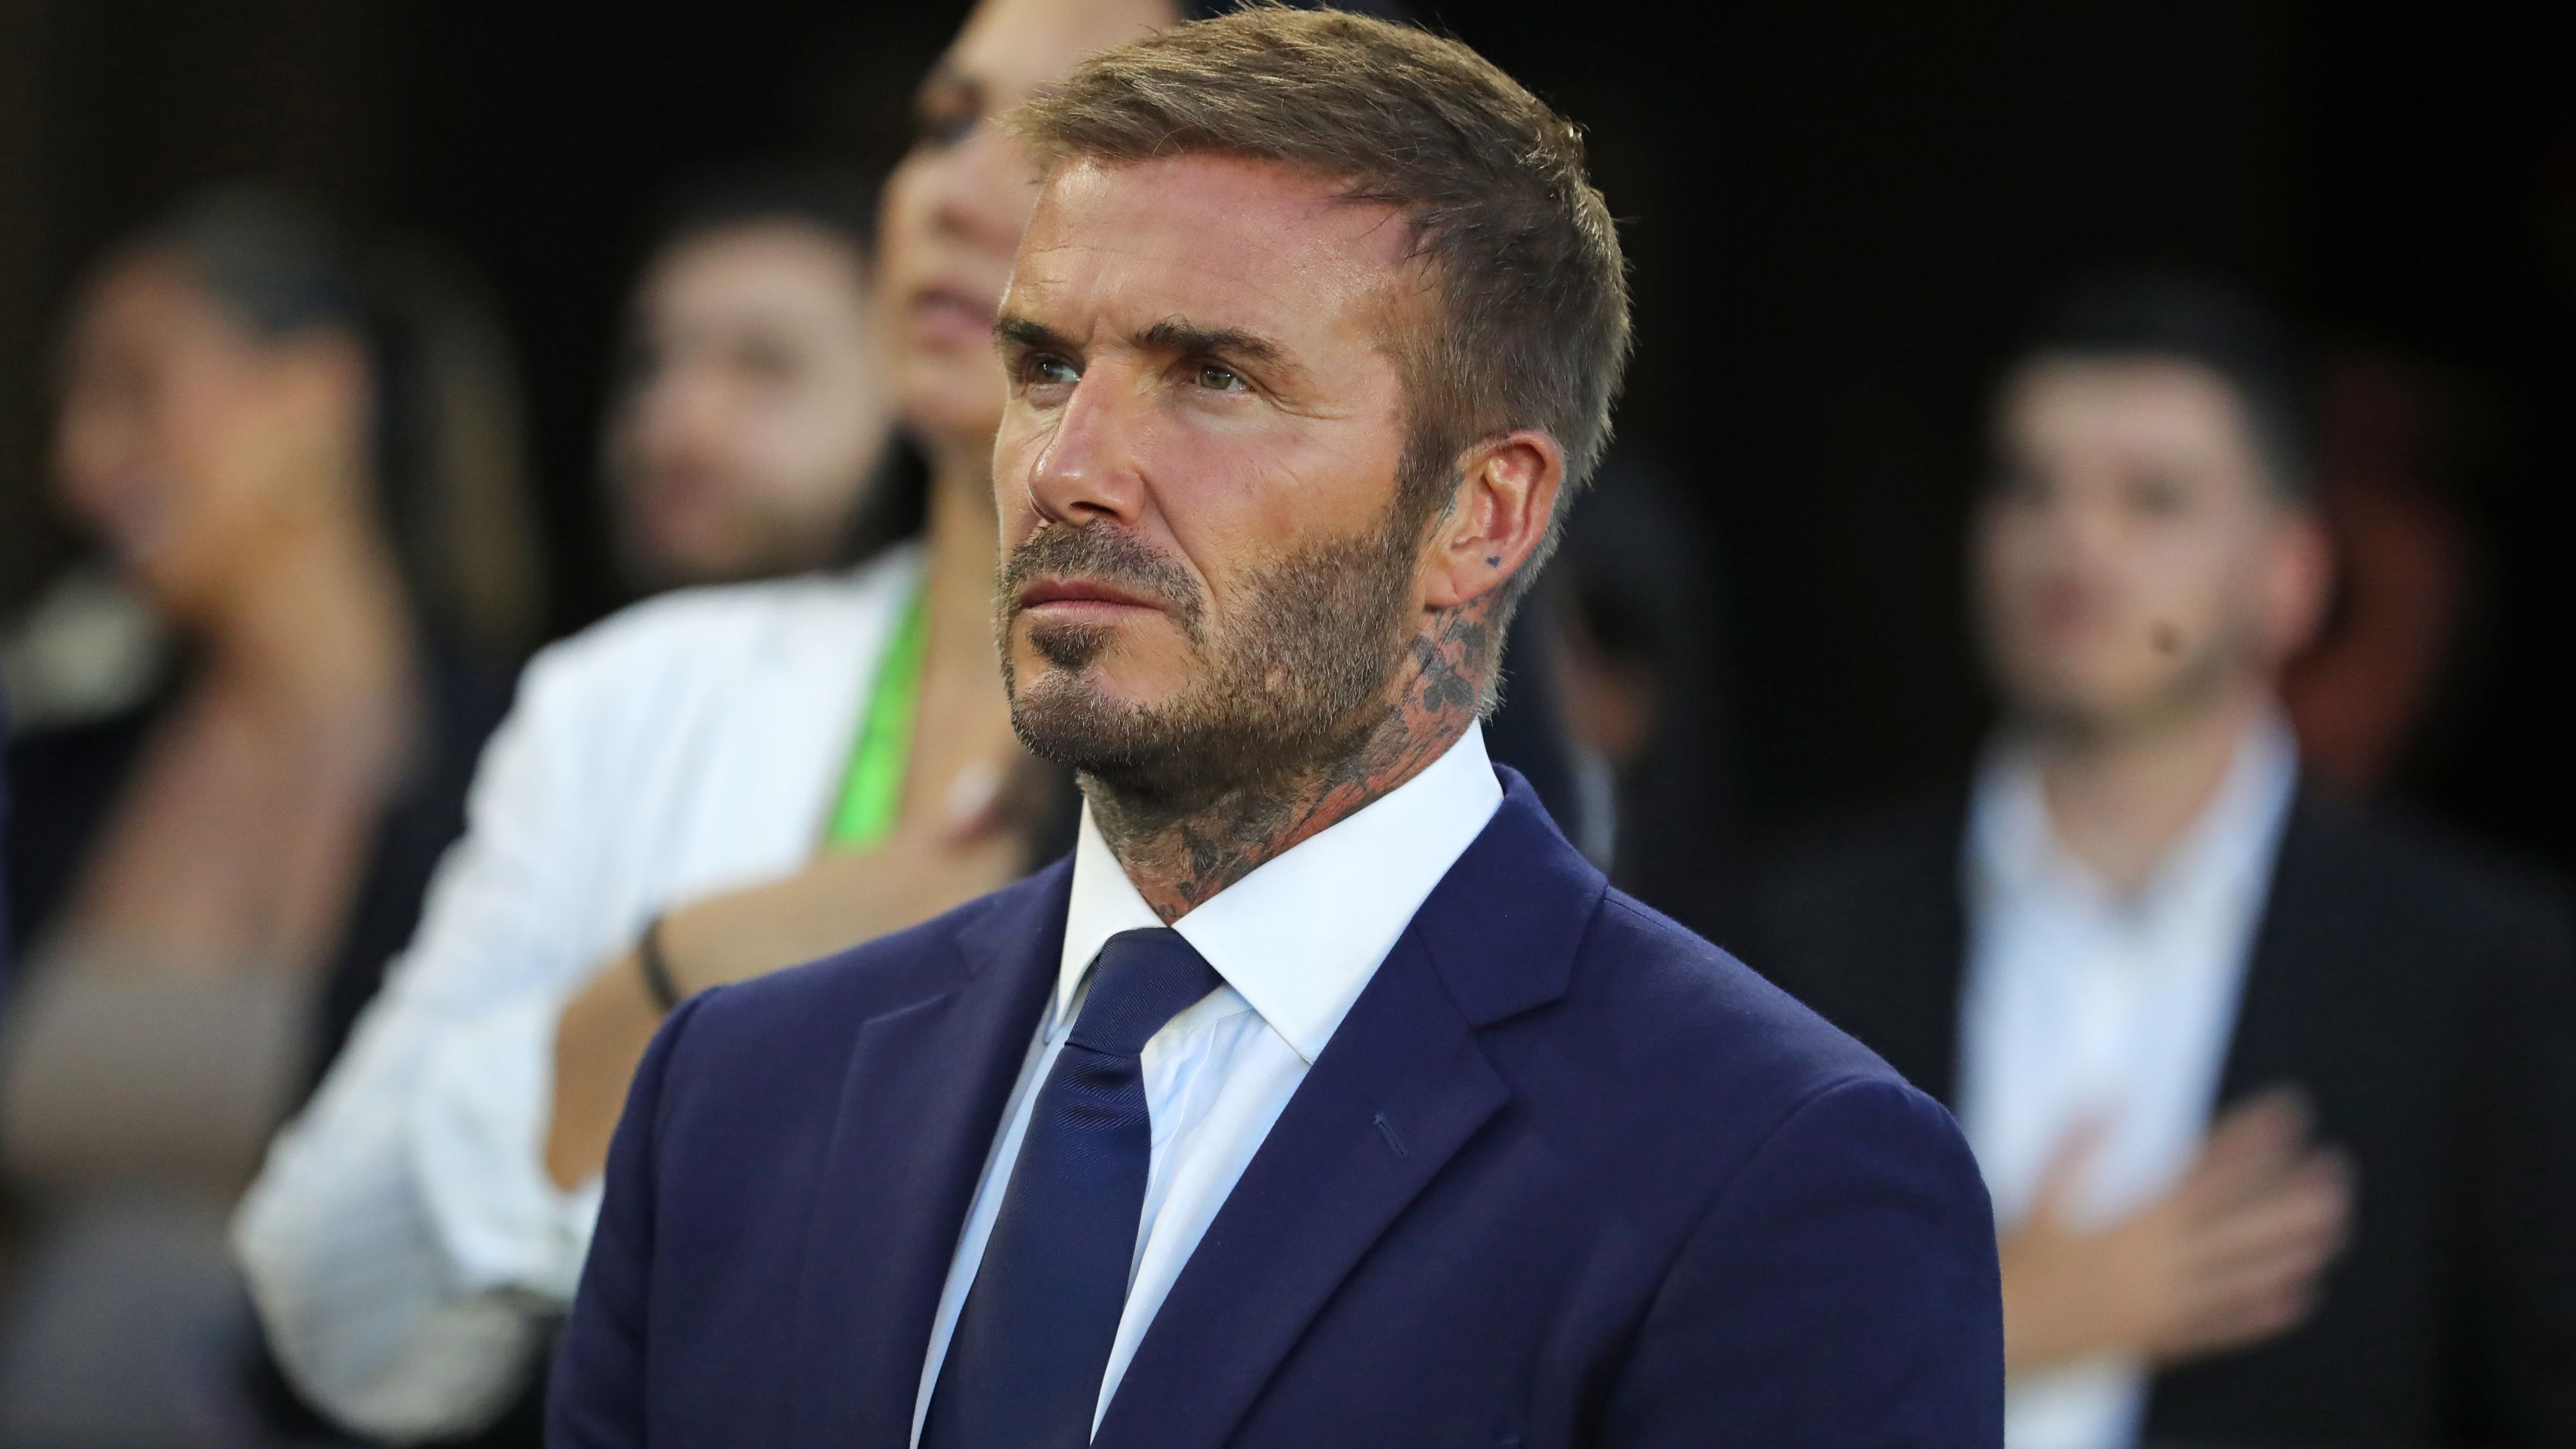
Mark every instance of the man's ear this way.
pixel 2297 584
pixel 1507 487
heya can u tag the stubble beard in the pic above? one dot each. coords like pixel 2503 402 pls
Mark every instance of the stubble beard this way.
pixel 1301 676
pixel 2202 679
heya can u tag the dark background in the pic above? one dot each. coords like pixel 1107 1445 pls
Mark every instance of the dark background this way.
pixel 1836 214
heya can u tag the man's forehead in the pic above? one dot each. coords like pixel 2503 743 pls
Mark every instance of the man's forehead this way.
pixel 2141 401
pixel 1222 215
pixel 1215 226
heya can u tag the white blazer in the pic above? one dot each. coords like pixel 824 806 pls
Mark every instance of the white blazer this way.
pixel 403 1243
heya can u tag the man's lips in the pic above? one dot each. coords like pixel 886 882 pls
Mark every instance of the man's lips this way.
pixel 1062 597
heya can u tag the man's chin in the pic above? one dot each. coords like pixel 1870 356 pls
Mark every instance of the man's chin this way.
pixel 1061 647
pixel 1064 717
pixel 2095 711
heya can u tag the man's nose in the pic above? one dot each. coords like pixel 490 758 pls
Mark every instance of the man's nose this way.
pixel 1087 472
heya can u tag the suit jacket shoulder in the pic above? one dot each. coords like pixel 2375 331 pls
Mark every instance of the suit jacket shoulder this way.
pixel 1654 1060
pixel 2402 872
pixel 1651 1005
pixel 1565 1175
pixel 2416 989
pixel 1798 1179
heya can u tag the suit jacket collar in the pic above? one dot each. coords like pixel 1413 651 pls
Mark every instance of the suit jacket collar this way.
pixel 2292 966
pixel 2219 865
pixel 2311 1005
pixel 1403 1086
pixel 1502 925
pixel 1913 1016
pixel 1919 1033
pixel 1299 966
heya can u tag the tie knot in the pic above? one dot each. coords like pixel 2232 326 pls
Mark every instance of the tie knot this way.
pixel 1141 980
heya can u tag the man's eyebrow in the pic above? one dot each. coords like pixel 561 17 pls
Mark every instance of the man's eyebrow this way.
pixel 1021 332
pixel 1191 339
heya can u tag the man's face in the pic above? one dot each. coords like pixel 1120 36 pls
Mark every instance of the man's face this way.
pixel 754 410
pixel 2131 559
pixel 955 206
pixel 1206 573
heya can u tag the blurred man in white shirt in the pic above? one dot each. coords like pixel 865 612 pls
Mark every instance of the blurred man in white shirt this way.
pixel 2269 1092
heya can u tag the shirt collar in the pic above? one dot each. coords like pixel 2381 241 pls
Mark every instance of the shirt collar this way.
pixel 1302 934
pixel 2013 846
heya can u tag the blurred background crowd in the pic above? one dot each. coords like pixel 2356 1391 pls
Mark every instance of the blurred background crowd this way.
pixel 2076 597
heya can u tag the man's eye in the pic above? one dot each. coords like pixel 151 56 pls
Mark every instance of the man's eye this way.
pixel 1050 372
pixel 1219 379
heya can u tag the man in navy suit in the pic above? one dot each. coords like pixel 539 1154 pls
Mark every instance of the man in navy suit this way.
pixel 1325 1096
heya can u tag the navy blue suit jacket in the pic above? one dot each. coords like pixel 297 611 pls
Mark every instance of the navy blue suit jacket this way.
pixel 1566 1175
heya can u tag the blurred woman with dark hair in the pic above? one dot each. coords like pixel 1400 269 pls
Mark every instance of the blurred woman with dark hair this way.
pixel 313 485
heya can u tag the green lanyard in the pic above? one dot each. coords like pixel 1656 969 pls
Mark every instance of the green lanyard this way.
pixel 872 792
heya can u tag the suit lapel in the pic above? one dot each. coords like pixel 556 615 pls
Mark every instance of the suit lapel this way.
pixel 1401 1088
pixel 2306 999
pixel 2290 978
pixel 927 1084
pixel 1325 1184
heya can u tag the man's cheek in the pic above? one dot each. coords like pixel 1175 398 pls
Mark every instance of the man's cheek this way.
pixel 1013 456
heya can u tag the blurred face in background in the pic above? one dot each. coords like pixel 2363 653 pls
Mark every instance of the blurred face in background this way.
pixel 192 447
pixel 754 409
pixel 954 208
pixel 2134 563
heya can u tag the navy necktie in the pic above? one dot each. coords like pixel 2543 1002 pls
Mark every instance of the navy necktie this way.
pixel 1024 1366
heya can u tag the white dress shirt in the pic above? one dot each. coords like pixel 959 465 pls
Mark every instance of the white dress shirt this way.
pixel 404 1244
pixel 2082 1008
pixel 1295 941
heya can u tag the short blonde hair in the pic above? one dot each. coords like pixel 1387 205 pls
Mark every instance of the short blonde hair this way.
pixel 1532 286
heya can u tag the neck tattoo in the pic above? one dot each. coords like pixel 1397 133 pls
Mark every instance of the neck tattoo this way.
pixel 1181 852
